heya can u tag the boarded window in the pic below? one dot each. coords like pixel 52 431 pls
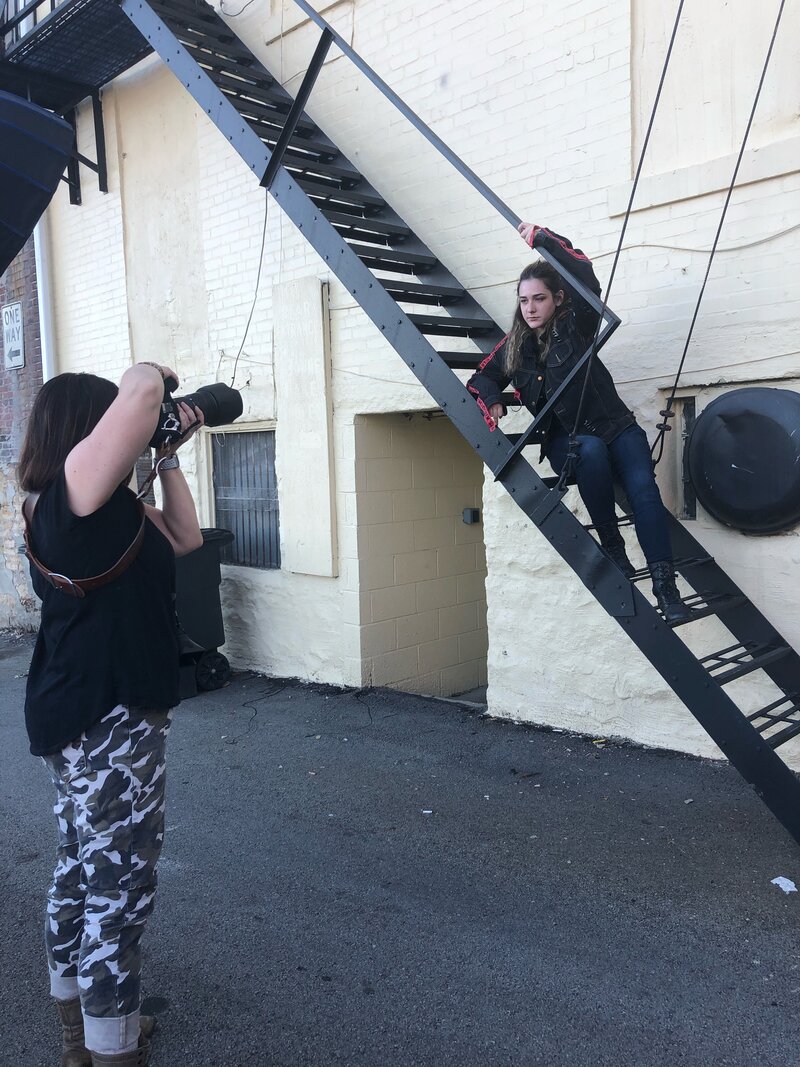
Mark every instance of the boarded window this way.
pixel 246 497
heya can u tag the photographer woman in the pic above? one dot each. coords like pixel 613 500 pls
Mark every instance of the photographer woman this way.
pixel 103 677
pixel 553 326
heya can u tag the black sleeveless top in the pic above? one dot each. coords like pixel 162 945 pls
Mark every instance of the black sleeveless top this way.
pixel 117 645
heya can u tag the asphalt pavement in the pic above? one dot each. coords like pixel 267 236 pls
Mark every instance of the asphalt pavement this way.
pixel 374 879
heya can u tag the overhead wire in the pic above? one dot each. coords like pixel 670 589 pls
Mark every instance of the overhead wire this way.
pixel 658 444
pixel 572 453
pixel 255 294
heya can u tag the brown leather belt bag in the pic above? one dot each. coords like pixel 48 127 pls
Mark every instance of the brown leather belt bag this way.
pixel 79 587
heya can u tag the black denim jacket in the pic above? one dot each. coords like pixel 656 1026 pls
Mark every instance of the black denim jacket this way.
pixel 604 414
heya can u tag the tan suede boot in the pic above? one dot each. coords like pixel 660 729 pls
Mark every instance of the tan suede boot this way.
pixel 138 1058
pixel 75 1053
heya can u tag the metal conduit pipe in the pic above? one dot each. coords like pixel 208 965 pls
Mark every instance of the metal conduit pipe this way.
pixel 41 249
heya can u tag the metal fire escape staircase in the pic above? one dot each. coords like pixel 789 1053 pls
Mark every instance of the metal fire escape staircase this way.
pixel 397 280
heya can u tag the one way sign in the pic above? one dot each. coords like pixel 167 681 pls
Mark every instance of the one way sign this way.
pixel 13 341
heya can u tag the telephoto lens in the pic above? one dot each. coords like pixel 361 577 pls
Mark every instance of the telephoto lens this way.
pixel 219 403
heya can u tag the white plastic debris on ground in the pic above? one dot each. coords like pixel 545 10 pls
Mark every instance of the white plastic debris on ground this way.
pixel 786 884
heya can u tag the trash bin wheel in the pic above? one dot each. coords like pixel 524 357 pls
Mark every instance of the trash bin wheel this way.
pixel 212 671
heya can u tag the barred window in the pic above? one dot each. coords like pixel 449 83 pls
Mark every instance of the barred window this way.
pixel 246 497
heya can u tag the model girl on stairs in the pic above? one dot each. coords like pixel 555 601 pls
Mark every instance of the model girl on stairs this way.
pixel 553 327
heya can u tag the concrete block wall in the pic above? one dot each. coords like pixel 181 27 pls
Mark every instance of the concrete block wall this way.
pixel 422 569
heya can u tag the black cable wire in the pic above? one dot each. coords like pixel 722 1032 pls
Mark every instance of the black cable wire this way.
pixel 255 294
pixel 572 453
pixel 236 14
pixel 659 441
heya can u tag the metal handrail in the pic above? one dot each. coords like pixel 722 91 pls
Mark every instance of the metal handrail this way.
pixel 8 26
pixel 449 155
pixel 404 109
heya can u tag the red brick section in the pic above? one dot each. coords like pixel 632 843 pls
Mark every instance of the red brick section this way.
pixel 19 387
pixel 18 607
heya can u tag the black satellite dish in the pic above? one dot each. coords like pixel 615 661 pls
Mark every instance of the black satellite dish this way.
pixel 35 145
pixel 744 459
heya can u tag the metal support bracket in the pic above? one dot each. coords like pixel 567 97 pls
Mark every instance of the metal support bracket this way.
pixel 297 108
pixel 100 141
pixel 73 175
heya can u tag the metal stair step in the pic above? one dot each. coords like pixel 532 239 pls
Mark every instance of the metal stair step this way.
pixel 551 481
pixel 367 224
pixel 395 259
pixel 702 605
pixel 467 361
pixel 423 293
pixel 319 192
pixel 269 131
pixel 775 713
pixel 196 12
pixel 209 61
pixel 337 169
pixel 193 28
pixel 738 660
pixel 452 326
pixel 196 35
pixel 776 740
pixel 681 564
pixel 254 93
pixel 272 110
pixel 622 520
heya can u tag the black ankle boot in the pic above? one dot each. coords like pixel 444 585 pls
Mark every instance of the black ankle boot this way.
pixel 666 593
pixel 614 547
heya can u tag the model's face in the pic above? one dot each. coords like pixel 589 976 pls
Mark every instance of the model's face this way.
pixel 537 304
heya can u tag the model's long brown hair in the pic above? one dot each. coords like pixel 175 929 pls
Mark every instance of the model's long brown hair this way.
pixel 66 409
pixel 520 330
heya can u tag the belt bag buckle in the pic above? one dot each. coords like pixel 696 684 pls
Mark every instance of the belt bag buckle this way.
pixel 65 585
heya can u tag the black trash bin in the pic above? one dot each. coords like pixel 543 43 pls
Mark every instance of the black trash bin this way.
pixel 201 629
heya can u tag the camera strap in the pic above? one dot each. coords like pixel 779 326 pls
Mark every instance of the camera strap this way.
pixel 166 453
pixel 79 587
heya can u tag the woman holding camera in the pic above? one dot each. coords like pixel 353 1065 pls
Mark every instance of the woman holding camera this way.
pixel 553 327
pixel 103 677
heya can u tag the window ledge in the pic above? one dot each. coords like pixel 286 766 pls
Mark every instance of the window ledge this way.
pixel 686 183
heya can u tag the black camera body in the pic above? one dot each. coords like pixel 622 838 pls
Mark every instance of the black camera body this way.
pixel 219 403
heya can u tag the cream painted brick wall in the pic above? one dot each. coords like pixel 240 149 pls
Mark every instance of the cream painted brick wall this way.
pixel 88 262
pixel 424 602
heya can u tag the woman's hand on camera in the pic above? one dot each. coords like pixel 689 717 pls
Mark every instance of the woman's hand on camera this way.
pixel 497 411
pixel 191 421
pixel 527 231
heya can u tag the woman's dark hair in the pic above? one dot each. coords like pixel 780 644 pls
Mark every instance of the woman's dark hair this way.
pixel 66 409
pixel 520 330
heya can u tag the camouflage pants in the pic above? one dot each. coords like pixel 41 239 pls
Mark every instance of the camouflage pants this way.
pixel 110 814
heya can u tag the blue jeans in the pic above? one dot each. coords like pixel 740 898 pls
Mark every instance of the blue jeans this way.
pixel 626 459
